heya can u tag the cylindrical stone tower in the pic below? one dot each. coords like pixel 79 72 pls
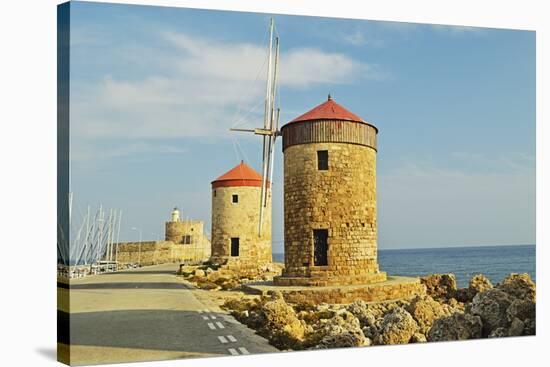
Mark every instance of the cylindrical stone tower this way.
pixel 236 217
pixel 330 199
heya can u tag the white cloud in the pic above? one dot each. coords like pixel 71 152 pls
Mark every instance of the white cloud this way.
pixel 199 90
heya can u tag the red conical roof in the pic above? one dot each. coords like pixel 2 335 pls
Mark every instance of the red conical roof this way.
pixel 240 175
pixel 328 110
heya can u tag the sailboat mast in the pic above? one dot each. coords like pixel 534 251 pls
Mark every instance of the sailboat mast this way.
pixel 267 125
pixel 272 122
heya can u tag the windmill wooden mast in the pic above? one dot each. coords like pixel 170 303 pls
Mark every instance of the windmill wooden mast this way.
pixel 270 130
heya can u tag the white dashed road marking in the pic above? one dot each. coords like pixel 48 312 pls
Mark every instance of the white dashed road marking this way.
pixel 233 352
pixel 213 317
pixel 211 326
pixel 222 339
pixel 231 338
pixel 243 350
pixel 220 325
pixel 205 317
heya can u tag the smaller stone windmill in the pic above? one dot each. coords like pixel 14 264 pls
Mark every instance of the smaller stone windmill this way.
pixel 235 219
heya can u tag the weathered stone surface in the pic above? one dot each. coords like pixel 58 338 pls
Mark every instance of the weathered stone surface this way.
pixel 418 338
pixel 530 327
pixel 240 220
pixel 478 283
pixel 281 326
pixel 458 326
pixel 499 332
pixel 322 199
pixel 203 283
pixel 492 313
pixel 343 340
pixel 440 286
pixel 521 309
pixel 397 327
pixel 365 315
pixel 341 330
pixel 199 273
pixel 162 252
pixel 425 311
pixel 516 327
pixel 519 286
pixel 491 307
pixel 395 288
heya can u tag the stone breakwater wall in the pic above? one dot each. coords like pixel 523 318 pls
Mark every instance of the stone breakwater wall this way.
pixel 161 252
pixel 394 288
pixel 443 313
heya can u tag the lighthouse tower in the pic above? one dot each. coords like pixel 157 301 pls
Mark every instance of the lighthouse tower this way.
pixel 330 199
pixel 236 238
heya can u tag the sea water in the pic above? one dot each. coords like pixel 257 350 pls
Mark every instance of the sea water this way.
pixel 495 262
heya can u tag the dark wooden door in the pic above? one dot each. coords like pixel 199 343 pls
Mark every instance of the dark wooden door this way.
pixel 320 247
pixel 235 246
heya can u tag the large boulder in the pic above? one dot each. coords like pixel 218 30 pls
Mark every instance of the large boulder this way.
pixel 281 326
pixel 521 309
pixel 344 340
pixel 425 311
pixel 199 273
pixel 530 327
pixel 343 329
pixel 478 283
pixel 519 286
pixel 491 307
pixel 418 338
pixel 365 315
pixel 397 327
pixel 440 286
pixel 458 326
pixel 516 327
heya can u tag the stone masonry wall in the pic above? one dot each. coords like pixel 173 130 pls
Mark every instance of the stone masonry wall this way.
pixel 161 252
pixel 393 289
pixel 240 220
pixel 341 199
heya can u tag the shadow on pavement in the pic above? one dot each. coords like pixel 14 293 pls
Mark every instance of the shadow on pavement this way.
pixel 140 272
pixel 167 330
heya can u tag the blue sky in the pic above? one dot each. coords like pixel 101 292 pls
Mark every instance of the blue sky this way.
pixel 154 91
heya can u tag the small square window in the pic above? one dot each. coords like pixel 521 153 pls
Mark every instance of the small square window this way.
pixel 235 198
pixel 322 160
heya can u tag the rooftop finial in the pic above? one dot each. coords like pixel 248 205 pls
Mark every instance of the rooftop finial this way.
pixel 329 97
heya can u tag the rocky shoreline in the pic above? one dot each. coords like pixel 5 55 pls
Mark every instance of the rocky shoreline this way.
pixel 443 313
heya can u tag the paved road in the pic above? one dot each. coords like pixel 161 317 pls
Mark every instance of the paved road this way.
pixel 150 314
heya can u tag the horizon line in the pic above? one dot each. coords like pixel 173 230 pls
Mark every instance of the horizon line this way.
pixel 443 248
